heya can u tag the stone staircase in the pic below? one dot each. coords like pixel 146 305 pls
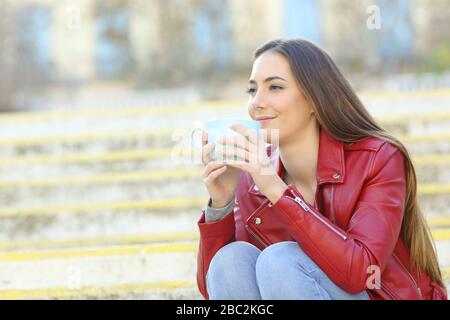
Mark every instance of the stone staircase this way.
pixel 98 204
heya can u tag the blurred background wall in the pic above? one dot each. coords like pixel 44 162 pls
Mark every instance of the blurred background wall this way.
pixel 64 54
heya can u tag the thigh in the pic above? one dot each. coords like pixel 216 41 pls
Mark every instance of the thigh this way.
pixel 288 258
pixel 314 271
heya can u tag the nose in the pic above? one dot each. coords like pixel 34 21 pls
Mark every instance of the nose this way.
pixel 258 101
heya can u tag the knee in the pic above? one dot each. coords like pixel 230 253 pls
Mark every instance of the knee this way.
pixel 274 256
pixel 233 257
pixel 231 273
pixel 281 258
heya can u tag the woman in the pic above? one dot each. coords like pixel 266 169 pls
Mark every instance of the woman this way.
pixel 328 211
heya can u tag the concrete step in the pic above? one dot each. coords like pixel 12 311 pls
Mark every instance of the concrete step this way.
pixel 155 271
pixel 139 185
pixel 68 198
pixel 110 215
pixel 16 125
pixel 440 229
pixel 406 103
pixel 139 159
pixel 24 171
pixel 437 142
pixel 121 222
pixel 143 118
pixel 66 174
pixel 434 205
pixel 92 271
pixel 85 241
pixel 85 226
pixel 169 290
pixel 433 174
pixel 133 187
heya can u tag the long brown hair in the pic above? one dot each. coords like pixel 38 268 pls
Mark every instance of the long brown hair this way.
pixel 339 110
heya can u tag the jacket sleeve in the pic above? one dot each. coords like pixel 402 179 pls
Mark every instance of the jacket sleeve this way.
pixel 213 236
pixel 350 256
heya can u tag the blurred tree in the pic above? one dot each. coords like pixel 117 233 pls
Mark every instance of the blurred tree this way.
pixel 195 44
pixel 437 60
pixel 438 23
pixel 174 65
pixel 435 54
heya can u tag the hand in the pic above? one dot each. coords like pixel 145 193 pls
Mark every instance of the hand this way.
pixel 251 151
pixel 220 180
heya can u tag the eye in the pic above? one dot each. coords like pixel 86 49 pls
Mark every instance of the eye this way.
pixel 273 87
pixel 251 90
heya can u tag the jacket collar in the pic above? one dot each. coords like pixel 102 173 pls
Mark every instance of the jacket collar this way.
pixel 330 166
pixel 331 161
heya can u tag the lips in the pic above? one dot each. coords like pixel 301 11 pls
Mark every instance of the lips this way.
pixel 265 118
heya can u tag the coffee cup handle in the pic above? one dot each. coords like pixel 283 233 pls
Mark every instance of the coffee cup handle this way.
pixel 192 138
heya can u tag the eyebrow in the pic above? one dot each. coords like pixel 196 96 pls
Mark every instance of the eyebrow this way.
pixel 267 79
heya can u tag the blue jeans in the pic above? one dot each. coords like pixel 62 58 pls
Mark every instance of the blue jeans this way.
pixel 240 271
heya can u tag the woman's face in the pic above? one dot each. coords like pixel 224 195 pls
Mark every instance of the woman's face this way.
pixel 274 92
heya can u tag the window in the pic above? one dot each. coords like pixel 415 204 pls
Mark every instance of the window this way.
pixel 396 33
pixel 33 37
pixel 212 32
pixel 301 19
pixel 112 52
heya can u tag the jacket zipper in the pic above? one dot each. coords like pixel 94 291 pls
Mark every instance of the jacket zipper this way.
pixel 307 209
pixel 385 289
pixel 256 236
pixel 419 291
pixel 332 204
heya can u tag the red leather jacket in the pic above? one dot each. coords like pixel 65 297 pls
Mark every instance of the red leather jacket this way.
pixel 355 224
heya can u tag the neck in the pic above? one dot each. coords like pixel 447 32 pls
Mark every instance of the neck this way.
pixel 299 155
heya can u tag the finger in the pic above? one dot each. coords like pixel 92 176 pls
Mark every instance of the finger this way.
pixel 246 132
pixel 240 142
pixel 206 151
pixel 238 164
pixel 262 148
pixel 212 165
pixel 214 174
pixel 204 137
pixel 238 152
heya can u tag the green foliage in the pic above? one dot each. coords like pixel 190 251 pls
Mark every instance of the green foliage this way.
pixel 438 60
